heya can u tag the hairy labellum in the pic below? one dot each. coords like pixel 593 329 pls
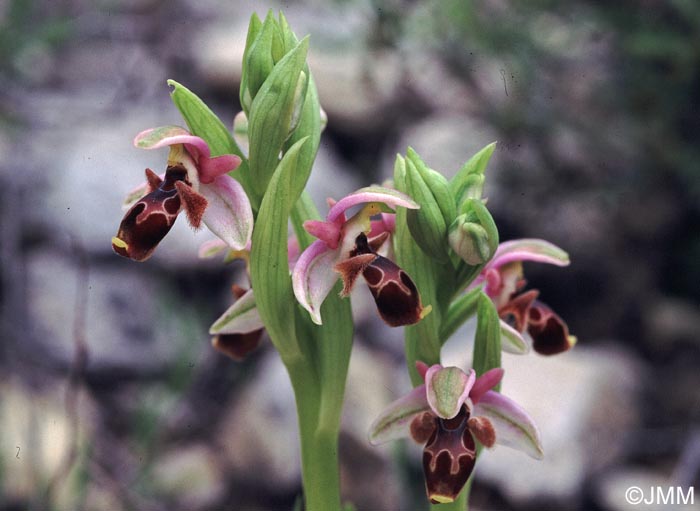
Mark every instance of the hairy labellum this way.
pixel 395 294
pixel 151 218
pixel 550 335
pixel 448 458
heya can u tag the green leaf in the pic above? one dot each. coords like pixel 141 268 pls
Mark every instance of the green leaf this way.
pixel 469 181
pixel 463 308
pixel 308 125
pixel 271 115
pixel 487 344
pixel 269 268
pixel 254 27
pixel 259 61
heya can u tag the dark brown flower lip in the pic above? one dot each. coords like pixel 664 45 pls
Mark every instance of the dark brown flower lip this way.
pixel 397 298
pixel 449 458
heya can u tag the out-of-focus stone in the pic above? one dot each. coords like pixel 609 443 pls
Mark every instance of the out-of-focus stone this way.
pixel 583 402
pixel 259 435
pixel 191 474
pixel 36 438
pixel 125 330
pixel 446 141
pixel 366 471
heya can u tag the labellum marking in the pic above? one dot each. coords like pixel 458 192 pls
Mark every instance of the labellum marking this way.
pixel 151 218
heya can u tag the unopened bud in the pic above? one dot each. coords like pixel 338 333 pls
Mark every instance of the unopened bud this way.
pixel 469 240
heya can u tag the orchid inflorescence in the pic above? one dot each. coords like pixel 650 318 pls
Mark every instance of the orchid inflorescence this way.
pixel 426 247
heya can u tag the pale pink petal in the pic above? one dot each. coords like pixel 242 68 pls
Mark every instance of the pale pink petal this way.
pixel 485 382
pixel 165 136
pixel 528 249
pixel 513 426
pixel 447 388
pixel 228 214
pixel 391 198
pixel 393 423
pixel 313 277
pixel 211 168
pixel 422 368
pixel 293 252
pixel 241 318
pixel 329 232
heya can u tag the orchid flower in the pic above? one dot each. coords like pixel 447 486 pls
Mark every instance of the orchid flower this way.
pixel 193 181
pixel 446 414
pixel 343 247
pixel 521 312
pixel 238 331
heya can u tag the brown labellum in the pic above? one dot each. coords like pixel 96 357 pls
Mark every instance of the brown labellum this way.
pixel 448 458
pixel 395 294
pixel 550 335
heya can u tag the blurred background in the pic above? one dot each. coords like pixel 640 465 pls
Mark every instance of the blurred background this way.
pixel 111 397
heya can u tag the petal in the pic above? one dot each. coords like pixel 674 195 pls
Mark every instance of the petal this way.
pixel 391 198
pixel 328 232
pixel 352 268
pixel 394 421
pixel 485 382
pixel 228 214
pixel 313 277
pixel 211 168
pixel 512 341
pixel 447 388
pixel 164 136
pixel 241 318
pixel 517 310
pixel 422 368
pixel 483 430
pixel 193 203
pixel 513 426
pixel 529 249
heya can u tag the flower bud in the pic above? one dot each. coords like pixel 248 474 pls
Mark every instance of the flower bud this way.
pixel 473 235
pixel 468 183
pixel 469 241
pixel 428 225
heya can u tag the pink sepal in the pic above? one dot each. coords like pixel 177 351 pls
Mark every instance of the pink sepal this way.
pixel 229 214
pixel 209 168
pixel 313 277
pixel 485 382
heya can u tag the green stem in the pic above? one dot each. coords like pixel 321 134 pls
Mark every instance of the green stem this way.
pixel 319 446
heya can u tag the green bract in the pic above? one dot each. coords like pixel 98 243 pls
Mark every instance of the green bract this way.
pixel 468 183
pixel 430 189
pixel 271 114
